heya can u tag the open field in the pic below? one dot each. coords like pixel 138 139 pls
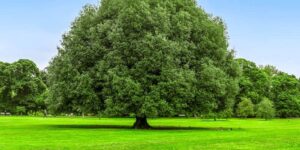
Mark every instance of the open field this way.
pixel 93 133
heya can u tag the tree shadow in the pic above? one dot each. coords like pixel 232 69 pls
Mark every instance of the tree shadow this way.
pixel 194 128
pixel 212 120
pixel 72 126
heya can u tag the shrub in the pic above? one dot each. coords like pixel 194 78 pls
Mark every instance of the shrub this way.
pixel 245 108
pixel 20 110
pixel 265 109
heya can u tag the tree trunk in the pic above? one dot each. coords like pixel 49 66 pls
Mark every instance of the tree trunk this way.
pixel 45 113
pixel 141 123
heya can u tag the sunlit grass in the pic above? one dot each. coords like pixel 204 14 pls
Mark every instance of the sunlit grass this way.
pixel 116 133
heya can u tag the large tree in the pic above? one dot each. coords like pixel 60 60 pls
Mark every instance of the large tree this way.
pixel 144 58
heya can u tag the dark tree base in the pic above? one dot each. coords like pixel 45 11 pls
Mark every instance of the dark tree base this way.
pixel 141 123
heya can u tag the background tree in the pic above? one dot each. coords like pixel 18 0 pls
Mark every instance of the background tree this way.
pixel 245 108
pixel 265 109
pixel 286 95
pixel 261 82
pixel 146 58
pixel 255 83
pixel 20 84
pixel 4 87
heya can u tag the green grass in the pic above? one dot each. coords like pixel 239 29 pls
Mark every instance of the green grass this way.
pixel 93 133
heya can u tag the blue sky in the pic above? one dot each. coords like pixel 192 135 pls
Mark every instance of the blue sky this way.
pixel 263 31
pixel 32 29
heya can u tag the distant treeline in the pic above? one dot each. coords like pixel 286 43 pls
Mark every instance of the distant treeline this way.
pixel 23 90
pixel 260 82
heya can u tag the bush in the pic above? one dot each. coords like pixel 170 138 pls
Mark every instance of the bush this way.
pixel 21 110
pixel 245 108
pixel 265 109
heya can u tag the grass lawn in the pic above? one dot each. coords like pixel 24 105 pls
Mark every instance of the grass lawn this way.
pixel 93 133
